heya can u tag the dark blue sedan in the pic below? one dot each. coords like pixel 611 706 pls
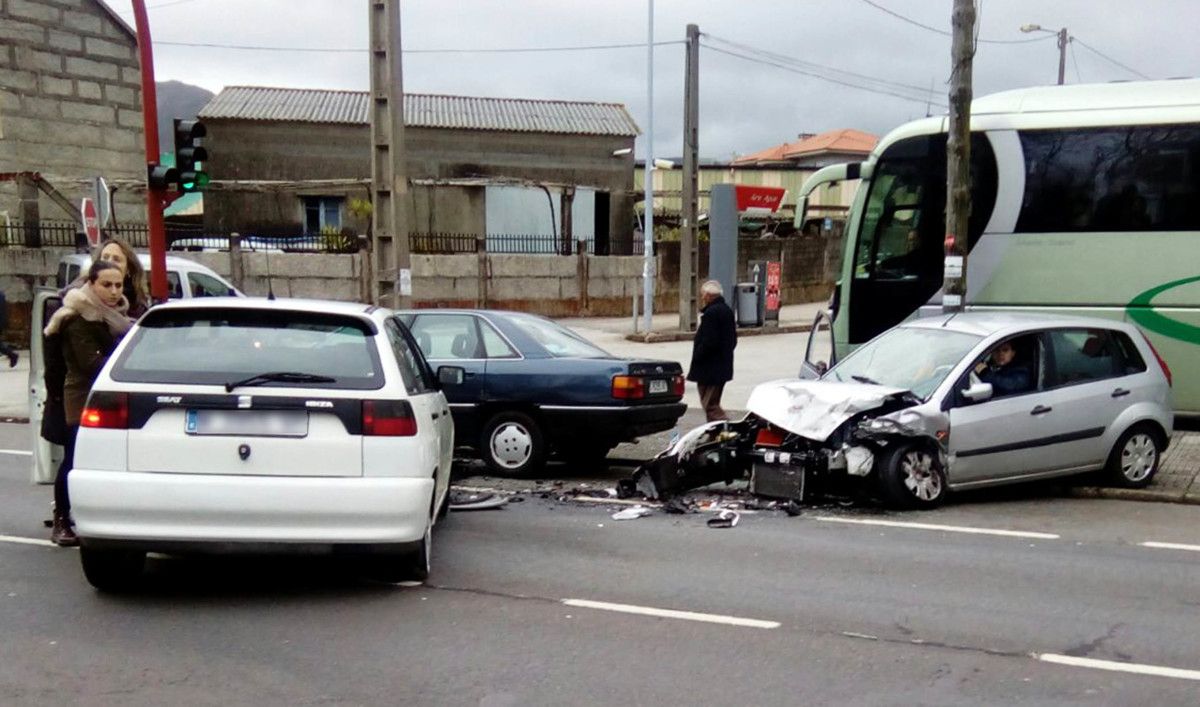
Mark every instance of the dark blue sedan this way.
pixel 534 388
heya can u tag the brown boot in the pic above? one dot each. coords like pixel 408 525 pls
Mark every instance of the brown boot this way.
pixel 62 533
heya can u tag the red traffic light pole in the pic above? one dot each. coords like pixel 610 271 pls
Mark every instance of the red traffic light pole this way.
pixel 156 198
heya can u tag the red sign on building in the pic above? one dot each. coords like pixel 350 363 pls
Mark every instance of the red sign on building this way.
pixel 751 198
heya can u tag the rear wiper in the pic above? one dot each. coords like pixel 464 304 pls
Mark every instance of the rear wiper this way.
pixel 864 379
pixel 278 376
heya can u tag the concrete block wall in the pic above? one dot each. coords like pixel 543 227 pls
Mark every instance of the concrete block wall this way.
pixel 70 99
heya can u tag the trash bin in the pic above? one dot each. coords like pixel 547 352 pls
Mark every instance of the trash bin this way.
pixel 746 304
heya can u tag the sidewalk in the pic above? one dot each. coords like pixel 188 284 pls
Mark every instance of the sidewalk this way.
pixel 793 318
pixel 14 392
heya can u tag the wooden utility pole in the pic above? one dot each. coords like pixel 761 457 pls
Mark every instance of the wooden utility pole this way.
pixel 689 252
pixel 392 280
pixel 958 157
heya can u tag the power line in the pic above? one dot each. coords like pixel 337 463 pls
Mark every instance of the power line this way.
pixel 1102 55
pixel 943 32
pixel 355 50
pixel 819 76
pixel 1075 62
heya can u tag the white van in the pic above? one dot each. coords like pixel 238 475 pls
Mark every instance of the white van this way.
pixel 185 278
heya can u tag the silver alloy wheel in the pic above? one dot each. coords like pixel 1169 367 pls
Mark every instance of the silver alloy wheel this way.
pixel 511 445
pixel 920 477
pixel 1138 457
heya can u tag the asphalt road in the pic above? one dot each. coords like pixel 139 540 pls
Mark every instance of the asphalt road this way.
pixel 827 608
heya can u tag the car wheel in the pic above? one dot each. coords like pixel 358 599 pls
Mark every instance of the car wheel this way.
pixel 911 477
pixel 1134 458
pixel 113 571
pixel 512 444
pixel 410 566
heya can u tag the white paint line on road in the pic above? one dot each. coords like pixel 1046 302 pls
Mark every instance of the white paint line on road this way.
pixel 671 613
pixel 18 540
pixel 944 528
pixel 1114 666
pixel 17 452
pixel 1172 546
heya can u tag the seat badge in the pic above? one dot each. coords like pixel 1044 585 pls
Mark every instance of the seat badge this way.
pixel 244 402
pixel 243 451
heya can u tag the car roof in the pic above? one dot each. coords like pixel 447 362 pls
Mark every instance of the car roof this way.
pixel 464 310
pixel 279 304
pixel 990 323
pixel 173 261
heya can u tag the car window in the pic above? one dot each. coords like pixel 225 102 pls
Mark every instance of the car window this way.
pixel 207 286
pixel 1082 355
pixel 558 341
pixel 216 345
pixel 494 345
pixel 917 359
pixel 176 289
pixel 1014 366
pixel 1131 360
pixel 411 368
pixel 447 336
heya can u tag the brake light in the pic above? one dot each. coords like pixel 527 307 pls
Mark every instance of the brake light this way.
pixel 1161 363
pixel 769 436
pixel 388 418
pixel 106 410
pixel 628 387
pixel 678 385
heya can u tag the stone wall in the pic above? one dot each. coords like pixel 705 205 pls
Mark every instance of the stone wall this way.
pixel 70 99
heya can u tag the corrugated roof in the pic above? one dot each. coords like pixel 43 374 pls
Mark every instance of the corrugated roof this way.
pixel 423 110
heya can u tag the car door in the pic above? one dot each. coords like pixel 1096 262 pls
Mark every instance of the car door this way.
pixel 1085 393
pixel 428 403
pixel 201 285
pixel 1004 436
pixel 454 339
pixel 819 353
pixel 46 456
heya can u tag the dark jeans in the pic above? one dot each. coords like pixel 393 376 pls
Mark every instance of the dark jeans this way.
pixel 62 501
pixel 710 400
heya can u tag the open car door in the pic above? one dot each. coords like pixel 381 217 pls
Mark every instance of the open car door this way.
pixel 819 353
pixel 46 456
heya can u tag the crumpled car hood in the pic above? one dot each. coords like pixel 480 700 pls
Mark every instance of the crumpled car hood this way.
pixel 815 409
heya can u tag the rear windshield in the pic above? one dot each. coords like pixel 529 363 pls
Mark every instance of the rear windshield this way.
pixel 217 346
pixel 558 341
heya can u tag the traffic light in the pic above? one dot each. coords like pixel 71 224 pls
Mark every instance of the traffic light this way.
pixel 190 156
pixel 162 177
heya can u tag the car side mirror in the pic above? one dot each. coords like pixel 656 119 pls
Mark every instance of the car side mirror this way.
pixel 978 392
pixel 451 375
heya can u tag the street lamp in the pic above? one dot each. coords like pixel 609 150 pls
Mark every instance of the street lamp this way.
pixel 1063 39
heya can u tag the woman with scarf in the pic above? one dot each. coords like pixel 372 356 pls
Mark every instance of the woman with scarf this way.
pixel 88 326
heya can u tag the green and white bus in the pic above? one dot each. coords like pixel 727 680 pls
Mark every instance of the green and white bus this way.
pixel 1085 200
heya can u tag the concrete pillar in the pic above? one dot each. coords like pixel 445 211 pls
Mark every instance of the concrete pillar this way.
pixel 481 271
pixel 566 204
pixel 29 210
pixel 581 274
pixel 237 272
pixel 723 238
pixel 364 268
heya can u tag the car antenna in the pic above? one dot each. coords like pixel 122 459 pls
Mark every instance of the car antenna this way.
pixel 949 319
pixel 270 286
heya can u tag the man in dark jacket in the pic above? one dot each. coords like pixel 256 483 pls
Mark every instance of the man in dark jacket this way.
pixel 712 350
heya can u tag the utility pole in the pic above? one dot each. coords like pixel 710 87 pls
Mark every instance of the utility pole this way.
pixel 156 196
pixel 1062 55
pixel 689 252
pixel 392 281
pixel 958 157
pixel 648 208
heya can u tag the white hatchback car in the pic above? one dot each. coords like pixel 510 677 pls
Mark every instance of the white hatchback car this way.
pixel 232 424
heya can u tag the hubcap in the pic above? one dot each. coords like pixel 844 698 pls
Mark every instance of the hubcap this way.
pixel 1138 457
pixel 920 478
pixel 512 445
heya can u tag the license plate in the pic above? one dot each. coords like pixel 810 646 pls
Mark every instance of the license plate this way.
pixel 659 386
pixel 248 423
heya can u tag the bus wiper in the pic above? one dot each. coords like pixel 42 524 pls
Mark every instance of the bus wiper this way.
pixel 864 379
pixel 278 376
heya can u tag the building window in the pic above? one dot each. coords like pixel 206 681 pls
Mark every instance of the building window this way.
pixel 321 212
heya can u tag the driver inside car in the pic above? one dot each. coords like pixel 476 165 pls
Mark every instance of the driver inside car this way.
pixel 1001 369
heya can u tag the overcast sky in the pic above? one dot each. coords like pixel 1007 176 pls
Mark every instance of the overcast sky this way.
pixel 744 105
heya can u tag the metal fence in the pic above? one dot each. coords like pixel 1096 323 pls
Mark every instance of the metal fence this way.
pixel 191 237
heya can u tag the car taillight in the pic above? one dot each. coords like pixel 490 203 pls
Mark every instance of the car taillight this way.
pixel 628 387
pixel 769 436
pixel 1161 363
pixel 106 410
pixel 678 385
pixel 388 418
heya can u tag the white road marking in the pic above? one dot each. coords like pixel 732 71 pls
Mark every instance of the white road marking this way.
pixel 1137 668
pixel 944 528
pixel 1172 546
pixel 671 613
pixel 18 540
pixel 17 452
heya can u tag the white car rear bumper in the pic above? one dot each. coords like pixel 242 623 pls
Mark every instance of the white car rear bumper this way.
pixel 255 510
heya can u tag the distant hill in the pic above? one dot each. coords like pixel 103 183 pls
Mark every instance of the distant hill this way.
pixel 177 100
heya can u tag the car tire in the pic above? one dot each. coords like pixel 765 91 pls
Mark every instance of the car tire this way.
pixel 512 444
pixel 112 571
pixel 911 477
pixel 1134 459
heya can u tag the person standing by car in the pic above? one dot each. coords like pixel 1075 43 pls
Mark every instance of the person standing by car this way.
pixel 88 326
pixel 712 350
pixel 119 253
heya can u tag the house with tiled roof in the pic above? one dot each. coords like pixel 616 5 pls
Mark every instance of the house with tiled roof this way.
pixel 467 159
pixel 815 151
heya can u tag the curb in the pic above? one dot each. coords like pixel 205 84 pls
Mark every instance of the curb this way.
pixel 14 420
pixel 1135 495
pixel 656 337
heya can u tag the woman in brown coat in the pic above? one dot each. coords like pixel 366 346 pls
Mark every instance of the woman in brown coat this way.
pixel 89 324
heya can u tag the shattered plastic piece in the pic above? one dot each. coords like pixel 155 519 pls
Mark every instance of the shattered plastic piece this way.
pixel 627 488
pixel 793 509
pixel 475 501
pixel 724 519
pixel 632 513
pixel 859 461
pixel 677 506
